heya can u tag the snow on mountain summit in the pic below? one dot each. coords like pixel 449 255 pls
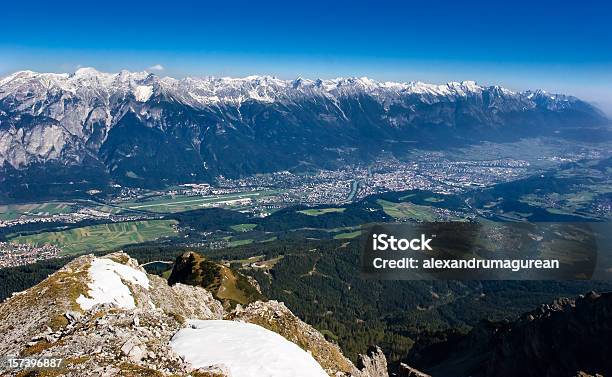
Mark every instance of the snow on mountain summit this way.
pixel 106 284
pixel 143 93
pixel 204 91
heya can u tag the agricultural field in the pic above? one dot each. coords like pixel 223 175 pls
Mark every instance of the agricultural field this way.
pixel 406 210
pixel 102 237
pixel 321 211
pixel 245 261
pixel 15 211
pixel 578 203
pixel 243 227
pixel 108 209
pixel 235 243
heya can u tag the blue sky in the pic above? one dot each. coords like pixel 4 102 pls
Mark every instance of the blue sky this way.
pixel 562 47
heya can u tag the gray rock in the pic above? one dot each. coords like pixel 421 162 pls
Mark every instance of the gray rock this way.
pixel 407 371
pixel 374 364
pixel 73 316
pixel 134 350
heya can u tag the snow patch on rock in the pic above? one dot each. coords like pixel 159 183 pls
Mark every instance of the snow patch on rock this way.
pixel 143 93
pixel 247 350
pixel 107 284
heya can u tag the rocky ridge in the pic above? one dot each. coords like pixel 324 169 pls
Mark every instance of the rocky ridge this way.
pixel 567 337
pixel 114 337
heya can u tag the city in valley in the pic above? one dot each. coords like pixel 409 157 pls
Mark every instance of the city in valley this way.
pixel 24 224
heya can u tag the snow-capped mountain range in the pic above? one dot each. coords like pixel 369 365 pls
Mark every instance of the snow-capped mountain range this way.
pixel 139 128
pixel 37 92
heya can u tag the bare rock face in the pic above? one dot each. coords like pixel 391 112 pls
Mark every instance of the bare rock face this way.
pixel 374 364
pixel 180 300
pixel 44 308
pixel 275 316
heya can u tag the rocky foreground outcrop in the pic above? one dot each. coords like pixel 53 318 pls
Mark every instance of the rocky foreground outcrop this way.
pixel 106 317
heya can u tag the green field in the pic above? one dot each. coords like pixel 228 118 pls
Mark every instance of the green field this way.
pixel 407 210
pixel 181 203
pixel 343 236
pixel 14 211
pixel 102 237
pixel 243 227
pixel 240 242
pixel 321 211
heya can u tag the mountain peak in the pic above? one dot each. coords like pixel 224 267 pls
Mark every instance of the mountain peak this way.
pixel 86 71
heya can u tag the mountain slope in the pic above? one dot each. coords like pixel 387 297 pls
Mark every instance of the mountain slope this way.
pixel 226 285
pixel 565 338
pixel 143 130
pixel 106 316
